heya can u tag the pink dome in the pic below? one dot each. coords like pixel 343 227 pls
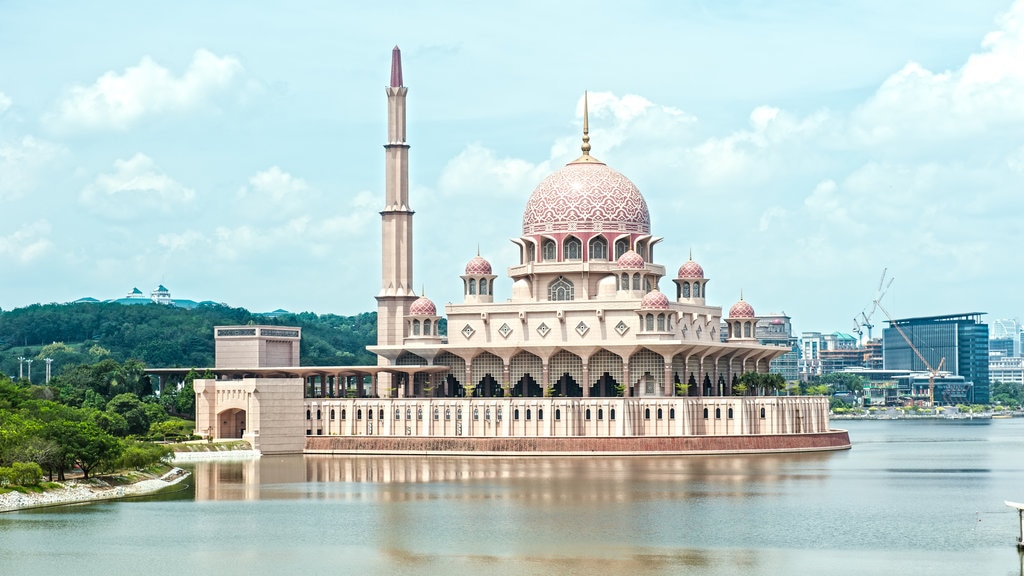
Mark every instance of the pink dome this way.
pixel 478 266
pixel 654 300
pixel 690 270
pixel 422 306
pixel 741 309
pixel 630 260
pixel 586 197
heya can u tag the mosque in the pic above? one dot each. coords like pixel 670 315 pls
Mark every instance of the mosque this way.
pixel 588 354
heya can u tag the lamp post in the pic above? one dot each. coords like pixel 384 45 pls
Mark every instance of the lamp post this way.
pixel 48 362
pixel 21 367
pixel 29 362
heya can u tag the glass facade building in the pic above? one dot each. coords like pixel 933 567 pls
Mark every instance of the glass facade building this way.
pixel 960 339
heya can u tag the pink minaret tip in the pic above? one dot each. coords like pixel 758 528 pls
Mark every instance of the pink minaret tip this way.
pixel 396 67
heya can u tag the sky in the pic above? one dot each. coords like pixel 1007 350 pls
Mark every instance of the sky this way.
pixel 232 151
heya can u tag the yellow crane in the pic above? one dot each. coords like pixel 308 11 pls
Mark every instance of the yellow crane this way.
pixel 932 372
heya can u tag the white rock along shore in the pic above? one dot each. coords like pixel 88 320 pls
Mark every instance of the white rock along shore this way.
pixel 75 492
pixel 216 455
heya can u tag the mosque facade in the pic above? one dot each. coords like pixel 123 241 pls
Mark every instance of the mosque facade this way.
pixel 588 354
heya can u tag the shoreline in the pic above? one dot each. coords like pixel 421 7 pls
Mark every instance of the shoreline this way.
pixel 94 490
pixel 202 456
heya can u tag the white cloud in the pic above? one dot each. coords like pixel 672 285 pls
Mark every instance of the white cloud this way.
pixel 274 183
pixel 479 171
pixel 22 163
pixel 117 101
pixel 5 102
pixel 136 186
pixel 27 243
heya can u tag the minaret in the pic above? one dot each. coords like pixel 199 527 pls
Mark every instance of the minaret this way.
pixel 396 292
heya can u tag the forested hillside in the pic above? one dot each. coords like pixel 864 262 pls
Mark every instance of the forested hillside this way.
pixel 162 336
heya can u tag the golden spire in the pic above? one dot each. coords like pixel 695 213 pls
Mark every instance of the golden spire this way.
pixel 585 147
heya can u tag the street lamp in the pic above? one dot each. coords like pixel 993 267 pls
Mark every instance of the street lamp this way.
pixel 48 362
pixel 29 362
pixel 21 367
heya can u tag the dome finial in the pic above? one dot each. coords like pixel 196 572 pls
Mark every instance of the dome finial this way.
pixel 585 147
pixel 691 254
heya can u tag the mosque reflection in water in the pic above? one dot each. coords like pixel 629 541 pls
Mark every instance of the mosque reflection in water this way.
pixel 556 479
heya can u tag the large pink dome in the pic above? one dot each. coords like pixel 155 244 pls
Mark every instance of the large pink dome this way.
pixel 654 300
pixel 478 266
pixel 586 197
pixel 690 270
pixel 422 306
pixel 630 260
pixel 741 309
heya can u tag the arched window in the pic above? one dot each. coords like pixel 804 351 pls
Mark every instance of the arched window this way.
pixel 600 413
pixel 671 413
pixel 560 289
pixel 415 327
pixel 380 415
pixel 573 249
pixel 696 289
pixel 359 414
pixel 660 414
pixel 318 416
pixel 447 413
pixel 548 250
pixel 427 328
pixel 598 248
pixel 647 413
pixel 611 413
pixel 483 287
pixel 762 412
pixel 528 414
pixel 729 414
pixel 476 413
pixel 558 413
pixel 342 413
pixel 636 281
pixel 531 253
pixel 540 413
pixel 308 415
pixel 641 249
pixel 705 413
pixel 624 284
pixel 587 415
pixel 718 413
pixel 649 322
pixel 621 247
pixel 332 414
pixel 515 414
pixel 437 414
pixel 686 289
pixel 661 322
pixel 472 286
pixel 398 414
pixel 746 329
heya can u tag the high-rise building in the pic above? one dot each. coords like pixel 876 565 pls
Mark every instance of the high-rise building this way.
pixel 959 342
pixel 776 329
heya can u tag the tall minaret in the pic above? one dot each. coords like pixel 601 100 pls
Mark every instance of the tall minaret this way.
pixel 396 220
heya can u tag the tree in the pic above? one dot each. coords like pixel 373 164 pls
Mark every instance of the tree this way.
pixel 93 448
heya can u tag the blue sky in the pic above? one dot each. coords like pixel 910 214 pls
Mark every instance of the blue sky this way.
pixel 232 152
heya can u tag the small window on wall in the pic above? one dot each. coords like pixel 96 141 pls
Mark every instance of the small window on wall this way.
pixel 558 414
pixel 381 415
pixel 573 249
pixel 762 413
pixel 548 250
pixel 540 413
pixel 398 414
pixel 359 414
pixel 308 415
pixel 515 414
pixel 318 414
pixel 705 413
pixel 332 413
pixel 621 247
pixel 527 413
pixel 587 414
pixel 647 413
pixel 671 413
pixel 436 414
pixel 730 413
pixel 342 413
pixel 718 413
pixel 600 413
pixel 472 286
pixel 659 414
pixel 598 248
pixel 611 414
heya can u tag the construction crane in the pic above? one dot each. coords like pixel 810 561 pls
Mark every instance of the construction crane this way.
pixel 932 372
pixel 865 317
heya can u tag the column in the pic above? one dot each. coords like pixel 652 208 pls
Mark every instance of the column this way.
pixel 586 378
pixel 670 384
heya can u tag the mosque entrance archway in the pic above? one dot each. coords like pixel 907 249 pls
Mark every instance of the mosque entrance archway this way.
pixel 605 386
pixel 527 386
pixel 231 423
pixel 567 386
pixel 488 388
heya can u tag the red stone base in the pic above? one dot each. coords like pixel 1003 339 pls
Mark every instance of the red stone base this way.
pixel 630 445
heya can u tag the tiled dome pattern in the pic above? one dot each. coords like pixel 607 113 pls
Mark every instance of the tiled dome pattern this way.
pixel 422 306
pixel 690 270
pixel 585 197
pixel 478 266
pixel 630 260
pixel 741 309
pixel 654 300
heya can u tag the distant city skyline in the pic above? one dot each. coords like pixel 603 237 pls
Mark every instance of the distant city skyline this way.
pixel 796 150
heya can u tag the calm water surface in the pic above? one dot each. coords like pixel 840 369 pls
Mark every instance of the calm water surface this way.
pixel 921 497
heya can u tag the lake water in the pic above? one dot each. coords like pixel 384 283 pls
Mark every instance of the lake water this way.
pixel 911 497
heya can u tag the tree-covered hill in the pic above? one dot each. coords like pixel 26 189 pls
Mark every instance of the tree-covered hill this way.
pixel 162 336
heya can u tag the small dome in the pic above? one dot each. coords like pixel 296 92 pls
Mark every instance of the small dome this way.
pixel 654 300
pixel 630 260
pixel 478 266
pixel 741 309
pixel 422 306
pixel 690 270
